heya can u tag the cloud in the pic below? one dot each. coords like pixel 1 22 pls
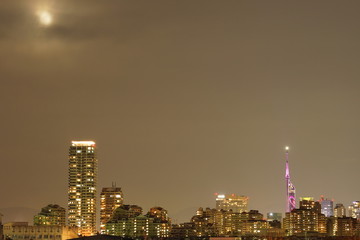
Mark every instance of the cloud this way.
pixel 72 21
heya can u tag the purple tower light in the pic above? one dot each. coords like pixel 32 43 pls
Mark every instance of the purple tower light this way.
pixel 290 188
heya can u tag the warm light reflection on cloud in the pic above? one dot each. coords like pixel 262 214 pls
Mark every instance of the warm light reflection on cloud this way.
pixel 45 18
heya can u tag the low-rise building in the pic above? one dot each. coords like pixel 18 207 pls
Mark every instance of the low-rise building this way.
pixel 22 231
pixel 183 231
pixel 52 214
pixel 213 222
pixel 343 226
pixel 128 222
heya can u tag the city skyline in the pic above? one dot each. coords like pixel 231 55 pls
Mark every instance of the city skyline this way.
pixel 184 99
pixel 83 152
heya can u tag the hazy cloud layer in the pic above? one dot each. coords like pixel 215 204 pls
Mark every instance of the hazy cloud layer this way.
pixel 184 98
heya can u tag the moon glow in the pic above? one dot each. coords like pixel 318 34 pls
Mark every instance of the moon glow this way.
pixel 45 18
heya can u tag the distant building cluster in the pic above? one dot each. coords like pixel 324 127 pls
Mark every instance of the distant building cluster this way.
pixel 230 219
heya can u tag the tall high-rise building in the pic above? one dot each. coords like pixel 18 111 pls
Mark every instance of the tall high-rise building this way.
pixel 339 210
pixel 82 187
pixel 290 188
pixel 354 210
pixel 232 202
pixel 327 206
pixel 110 199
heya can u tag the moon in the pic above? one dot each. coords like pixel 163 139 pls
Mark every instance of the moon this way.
pixel 45 18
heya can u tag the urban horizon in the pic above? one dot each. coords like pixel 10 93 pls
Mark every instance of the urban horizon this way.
pixel 186 101
pixel 215 195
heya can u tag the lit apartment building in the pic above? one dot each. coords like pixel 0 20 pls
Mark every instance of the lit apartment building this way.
pixel 253 223
pixel 159 214
pixel 342 226
pixel 128 222
pixel 21 231
pixel 212 222
pixel 307 218
pixel 354 210
pixel 183 231
pixel 110 199
pixel 339 210
pixel 232 202
pixel 327 206
pixel 82 187
pixel 52 214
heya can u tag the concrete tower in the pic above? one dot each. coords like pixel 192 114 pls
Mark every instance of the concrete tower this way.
pixel 82 187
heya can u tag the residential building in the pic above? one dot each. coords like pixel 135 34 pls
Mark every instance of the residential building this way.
pixel 159 214
pixel 232 202
pixel 128 222
pixel 110 199
pixel 21 231
pixel 327 206
pixel 339 210
pixel 52 214
pixel 183 231
pixel 306 219
pixel 342 226
pixel 82 187
pixel 213 222
pixel 354 210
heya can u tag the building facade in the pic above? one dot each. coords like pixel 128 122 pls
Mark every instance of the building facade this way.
pixel 306 219
pixel 327 206
pixel 52 214
pixel 343 227
pixel 221 223
pixel 128 222
pixel 110 199
pixel 21 231
pixel 82 187
pixel 232 202
pixel 354 210
pixel 339 210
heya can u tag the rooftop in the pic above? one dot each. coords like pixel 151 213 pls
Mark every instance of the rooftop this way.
pixel 82 143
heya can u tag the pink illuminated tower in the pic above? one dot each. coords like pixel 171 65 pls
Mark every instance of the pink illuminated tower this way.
pixel 290 188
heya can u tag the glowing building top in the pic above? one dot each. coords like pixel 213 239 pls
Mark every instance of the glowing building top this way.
pixel 232 201
pixel 83 143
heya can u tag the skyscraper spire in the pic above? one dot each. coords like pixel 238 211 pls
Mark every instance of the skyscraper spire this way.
pixel 290 188
pixel 287 172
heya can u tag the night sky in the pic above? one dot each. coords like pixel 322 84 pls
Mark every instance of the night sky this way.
pixel 183 98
